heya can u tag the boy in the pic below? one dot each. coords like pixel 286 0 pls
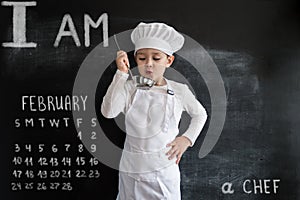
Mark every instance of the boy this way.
pixel 152 150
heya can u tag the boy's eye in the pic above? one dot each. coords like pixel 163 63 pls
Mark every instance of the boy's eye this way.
pixel 141 58
pixel 156 58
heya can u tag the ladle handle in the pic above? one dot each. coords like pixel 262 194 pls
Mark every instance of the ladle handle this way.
pixel 116 41
pixel 130 73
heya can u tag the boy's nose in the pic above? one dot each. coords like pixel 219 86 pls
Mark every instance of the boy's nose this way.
pixel 149 63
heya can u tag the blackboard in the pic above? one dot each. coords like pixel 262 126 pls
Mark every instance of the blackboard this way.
pixel 255 46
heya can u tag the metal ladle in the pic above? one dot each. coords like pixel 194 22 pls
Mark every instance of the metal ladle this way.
pixel 140 82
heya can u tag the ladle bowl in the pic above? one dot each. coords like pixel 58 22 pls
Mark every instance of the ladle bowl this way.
pixel 142 82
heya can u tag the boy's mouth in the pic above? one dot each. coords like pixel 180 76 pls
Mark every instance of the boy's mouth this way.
pixel 148 72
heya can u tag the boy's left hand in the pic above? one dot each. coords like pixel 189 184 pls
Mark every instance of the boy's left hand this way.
pixel 179 146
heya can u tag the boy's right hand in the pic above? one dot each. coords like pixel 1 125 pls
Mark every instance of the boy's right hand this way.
pixel 122 61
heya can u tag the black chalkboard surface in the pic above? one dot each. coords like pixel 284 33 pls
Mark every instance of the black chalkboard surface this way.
pixel 45 45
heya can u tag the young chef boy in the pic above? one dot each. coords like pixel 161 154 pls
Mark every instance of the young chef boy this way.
pixel 149 165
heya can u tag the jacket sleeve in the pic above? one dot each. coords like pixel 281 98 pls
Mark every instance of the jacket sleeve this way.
pixel 114 100
pixel 198 115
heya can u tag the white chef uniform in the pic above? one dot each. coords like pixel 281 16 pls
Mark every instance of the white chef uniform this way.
pixel 150 177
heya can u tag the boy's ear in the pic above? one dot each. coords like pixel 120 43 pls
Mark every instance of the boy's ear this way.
pixel 170 60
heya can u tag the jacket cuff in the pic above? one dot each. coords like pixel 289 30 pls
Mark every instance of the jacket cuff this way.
pixel 190 138
pixel 122 74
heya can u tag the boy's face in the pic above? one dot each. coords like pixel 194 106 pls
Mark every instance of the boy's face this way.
pixel 152 63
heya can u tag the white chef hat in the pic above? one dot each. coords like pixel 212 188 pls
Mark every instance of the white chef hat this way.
pixel 157 36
